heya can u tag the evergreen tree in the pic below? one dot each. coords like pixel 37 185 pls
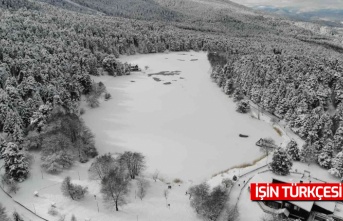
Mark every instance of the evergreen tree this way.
pixel 281 163
pixel 243 106
pixel 307 154
pixel 16 164
pixel 293 150
pixel 338 139
pixel 3 145
pixel 228 86
pixel 337 163
pixel 325 157
pixel 17 135
pixel 11 122
pixel 238 95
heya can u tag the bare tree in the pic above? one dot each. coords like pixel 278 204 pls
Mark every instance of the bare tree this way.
pixel 206 202
pixel 101 166
pixel 114 187
pixel 267 146
pixel 9 183
pixel 134 163
pixel 13 187
pixel 3 214
pixel 17 217
pixel 142 186
pixel 155 175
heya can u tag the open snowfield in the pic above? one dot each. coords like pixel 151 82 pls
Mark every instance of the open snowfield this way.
pixel 152 208
pixel 187 129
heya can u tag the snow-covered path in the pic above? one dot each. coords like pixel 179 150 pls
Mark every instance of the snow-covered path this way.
pixel 12 206
pixel 185 125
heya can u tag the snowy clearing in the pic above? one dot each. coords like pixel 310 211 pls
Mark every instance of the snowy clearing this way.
pixel 187 129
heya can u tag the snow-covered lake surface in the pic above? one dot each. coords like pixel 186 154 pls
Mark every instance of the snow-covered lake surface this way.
pixel 187 129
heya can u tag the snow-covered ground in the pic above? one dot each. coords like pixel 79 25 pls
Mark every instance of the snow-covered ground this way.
pixel 187 129
pixel 152 208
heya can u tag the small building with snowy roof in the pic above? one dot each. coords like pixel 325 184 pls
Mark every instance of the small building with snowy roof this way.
pixel 303 210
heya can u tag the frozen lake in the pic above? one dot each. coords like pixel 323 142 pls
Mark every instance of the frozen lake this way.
pixel 187 129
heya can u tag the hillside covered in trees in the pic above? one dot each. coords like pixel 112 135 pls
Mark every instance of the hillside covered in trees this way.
pixel 49 49
pixel 304 89
pixel 47 55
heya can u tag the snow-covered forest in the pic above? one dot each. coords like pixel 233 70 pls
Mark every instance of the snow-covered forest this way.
pixel 51 49
pixel 303 89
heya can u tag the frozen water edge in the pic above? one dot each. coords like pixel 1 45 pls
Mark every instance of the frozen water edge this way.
pixel 188 129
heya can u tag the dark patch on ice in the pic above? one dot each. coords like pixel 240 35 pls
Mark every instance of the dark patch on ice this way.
pixel 182 78
pixel 194 59
pixel 133 81
pixel 166 73
pixel 180 59
pixel 166 83
pixel 157 79
pixel 182 54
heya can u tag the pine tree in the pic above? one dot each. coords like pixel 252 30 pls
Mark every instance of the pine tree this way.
pixel 12 120
pixel 282 162
pixel 338 139
pixel 238 95
pixel 337 163
pixel 17 135
pixel 16 164
pixel 55 162
pixel 293 150
pixel 325 157
pixel 3 145
pixel 307 154
pixel 243 106
pixel 228 86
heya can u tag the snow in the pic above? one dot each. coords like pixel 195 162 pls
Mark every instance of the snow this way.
pixel 240 195
pixel 188 129
pixel 152 208
pixel 338 210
